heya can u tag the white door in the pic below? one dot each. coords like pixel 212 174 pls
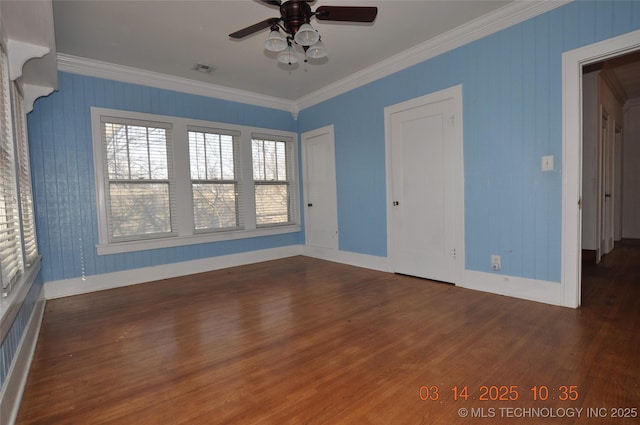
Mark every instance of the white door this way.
pixel 321 211
pixel 605 186
pixel 425 176
pixel 609 188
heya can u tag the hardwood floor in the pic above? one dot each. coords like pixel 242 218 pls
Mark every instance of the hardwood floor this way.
pixel 305 341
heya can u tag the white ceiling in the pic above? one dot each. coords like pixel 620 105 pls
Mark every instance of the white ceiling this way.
pixel 171 37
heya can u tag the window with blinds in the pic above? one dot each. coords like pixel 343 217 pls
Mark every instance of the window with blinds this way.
pixel 273 172
pixel 139 175
pixel 24 180
pixel 214 179
pixel 10 243
pixel 165 181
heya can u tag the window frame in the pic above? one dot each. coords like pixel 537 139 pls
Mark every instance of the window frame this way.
pixel 236 181
pixel 185 233
pixel 168 180
pixel 290 180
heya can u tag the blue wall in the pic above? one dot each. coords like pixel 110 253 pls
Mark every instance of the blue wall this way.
pixel 512 107
pixel 63 175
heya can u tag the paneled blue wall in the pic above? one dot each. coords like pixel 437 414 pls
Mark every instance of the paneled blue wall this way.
pixel 63 175
pixel 512 106
pixel 9 345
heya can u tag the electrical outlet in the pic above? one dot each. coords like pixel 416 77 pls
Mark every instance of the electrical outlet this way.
pixel 496 263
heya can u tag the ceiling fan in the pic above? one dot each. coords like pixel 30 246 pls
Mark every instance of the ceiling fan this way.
pixel 294 19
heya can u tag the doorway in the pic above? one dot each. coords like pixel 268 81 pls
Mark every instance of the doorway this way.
pixel 572 67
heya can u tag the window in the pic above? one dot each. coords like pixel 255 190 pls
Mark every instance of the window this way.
pixel 214 180
pixel 164 181
pixel 18 248
pixel 10 249
pixel 273 179
pixel 139 176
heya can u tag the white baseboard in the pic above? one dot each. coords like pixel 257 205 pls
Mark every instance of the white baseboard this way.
pixel 76 286
pixel 513 286
pixel 11 393
pixel 351 258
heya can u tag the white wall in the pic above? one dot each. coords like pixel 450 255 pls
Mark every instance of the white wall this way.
pixel 631 170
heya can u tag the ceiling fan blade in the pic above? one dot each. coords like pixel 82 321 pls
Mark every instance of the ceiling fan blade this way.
pixel 346 13
pixel 254 28
pixel 272 2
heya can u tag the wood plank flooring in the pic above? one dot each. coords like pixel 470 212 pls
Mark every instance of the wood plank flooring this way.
pixel 305 341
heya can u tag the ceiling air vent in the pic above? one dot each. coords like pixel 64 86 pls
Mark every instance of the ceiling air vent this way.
pixel 204 68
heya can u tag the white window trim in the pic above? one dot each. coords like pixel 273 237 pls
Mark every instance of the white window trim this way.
pixel 185 234
pixel 11 305
pixel 292 181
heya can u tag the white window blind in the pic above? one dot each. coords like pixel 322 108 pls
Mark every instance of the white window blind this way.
pixel 273 175
pixel 139 179
pixel 214 179
pixel 24 180
pixel 10 249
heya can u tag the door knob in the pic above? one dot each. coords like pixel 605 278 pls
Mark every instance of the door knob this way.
pixel 309 205
pixel 396 203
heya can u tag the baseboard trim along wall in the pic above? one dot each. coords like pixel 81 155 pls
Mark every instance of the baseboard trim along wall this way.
pixel 11 394
pixel 100 282
pixel 513 286
pixel 350 258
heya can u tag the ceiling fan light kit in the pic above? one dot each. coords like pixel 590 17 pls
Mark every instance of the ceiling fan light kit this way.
pixel 317 51
pixel 275 42
pixel 306 35
pixel 288 56
pixel 294 21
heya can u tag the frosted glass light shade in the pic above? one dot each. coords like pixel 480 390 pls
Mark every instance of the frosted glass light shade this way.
pixel 288 56
pixel 275 42
pixel 317 51
pixel 306 35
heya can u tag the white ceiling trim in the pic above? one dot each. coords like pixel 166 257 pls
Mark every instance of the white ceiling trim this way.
pixel 631 103
pixel 109 71
pixel 509 15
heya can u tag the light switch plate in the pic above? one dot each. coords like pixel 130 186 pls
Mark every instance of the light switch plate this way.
pixel 547 163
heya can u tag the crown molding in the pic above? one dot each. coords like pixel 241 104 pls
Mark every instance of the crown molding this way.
pixel 631 103
pixel 99 69
pixel 504 17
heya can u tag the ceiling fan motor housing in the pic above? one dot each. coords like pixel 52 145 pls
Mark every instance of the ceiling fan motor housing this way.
pixel 294 14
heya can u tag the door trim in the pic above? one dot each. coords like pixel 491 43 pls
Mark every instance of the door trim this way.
pixel 454 93
pixel 572 62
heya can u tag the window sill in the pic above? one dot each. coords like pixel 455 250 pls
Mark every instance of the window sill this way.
pixel 10 306
pixel 122 247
